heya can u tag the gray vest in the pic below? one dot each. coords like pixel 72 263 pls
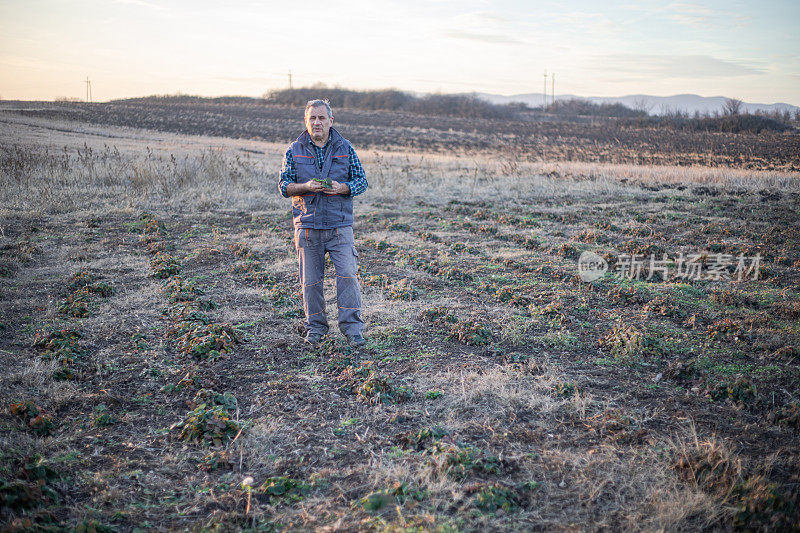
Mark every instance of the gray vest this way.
pixel 322 211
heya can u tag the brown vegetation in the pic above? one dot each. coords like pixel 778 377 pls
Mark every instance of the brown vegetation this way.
pixel 497 391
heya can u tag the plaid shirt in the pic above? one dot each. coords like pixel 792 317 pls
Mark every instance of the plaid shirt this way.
pixel 357 178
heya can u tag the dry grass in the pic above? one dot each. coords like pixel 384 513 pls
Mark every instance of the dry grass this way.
pixel 543 418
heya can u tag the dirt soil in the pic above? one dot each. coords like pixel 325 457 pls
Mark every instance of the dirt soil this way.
pixel 155 376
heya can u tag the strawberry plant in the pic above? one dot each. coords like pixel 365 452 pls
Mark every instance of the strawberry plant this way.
pixel 283 488
pixel 491 498
pixel 471 333
pixel 371 386
pixel 460 460
pixel 164 266
pixel 40 423
pixel 208 425
pixel 208 341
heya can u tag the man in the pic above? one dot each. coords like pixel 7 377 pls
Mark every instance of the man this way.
pixel 323 219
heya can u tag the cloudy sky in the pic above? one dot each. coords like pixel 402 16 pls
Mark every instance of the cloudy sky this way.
pixel 742 49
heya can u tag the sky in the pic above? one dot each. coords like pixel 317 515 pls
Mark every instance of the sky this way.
pixel 738 49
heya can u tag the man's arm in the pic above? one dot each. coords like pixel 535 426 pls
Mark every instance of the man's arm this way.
pixel 287 183
pixel 356 178
pixel 288 174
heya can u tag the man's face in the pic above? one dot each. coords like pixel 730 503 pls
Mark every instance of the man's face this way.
pixel 318 123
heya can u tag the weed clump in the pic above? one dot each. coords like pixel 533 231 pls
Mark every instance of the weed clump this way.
pixel 708 466
pixel 564 389
pixel 164 265
pixel 254 271
pixel 242 251
pixel 460 460
pixel 724 328
pixel 630 294
pixel 283 488
pixel 399 493
pixel 371 386
pixel 419 440
pixel 490 498
pixel 282 296
pixel 461 247
pixel 508 294
pixel 663 306
pixel 788 415
pixel 471 333
pixel 102 417
pixel 91 283
pixel 62 346
pixel 566 250
pixel 740 391
pixel 437 314
pixel 8 270
pixel 208 341
pixel 761 507
pixel 210 423
pixel 732 297
pixel 453 274
pixel 76 304
pixel 150 225
pixel 214 398
pixel 627 343
pixel 375 280
pixel 36 420
pixel 27 488
pixel 179 290
pixel 402 290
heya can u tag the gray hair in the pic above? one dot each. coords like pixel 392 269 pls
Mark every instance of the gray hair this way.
pixel 319 103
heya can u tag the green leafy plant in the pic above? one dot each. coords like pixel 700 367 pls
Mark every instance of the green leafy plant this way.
pixel 419 440
pixel 740 391
pixel 460 460
pixel 209 425
pixel 36 420
pixel 371 386
pixel 402 290
pixel 102 417
pixel 283 488
pixel 208 341
pixel 76 304
pixel 471 333
pixel 492 498
pixel 164 266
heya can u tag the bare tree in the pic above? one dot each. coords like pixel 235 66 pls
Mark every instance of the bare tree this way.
pixel 732 106
pixel 641 105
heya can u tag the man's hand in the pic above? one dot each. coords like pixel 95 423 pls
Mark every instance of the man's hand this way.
pixel 337 188
pixel 314 186
pixel 299 189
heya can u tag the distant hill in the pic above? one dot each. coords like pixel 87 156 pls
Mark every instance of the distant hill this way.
pixel 656 105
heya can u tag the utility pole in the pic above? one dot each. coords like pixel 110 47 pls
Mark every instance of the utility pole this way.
pixel 88 89
pixel 290 80
pixel 544 92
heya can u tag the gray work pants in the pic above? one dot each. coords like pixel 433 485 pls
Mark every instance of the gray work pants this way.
pixel 312 245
